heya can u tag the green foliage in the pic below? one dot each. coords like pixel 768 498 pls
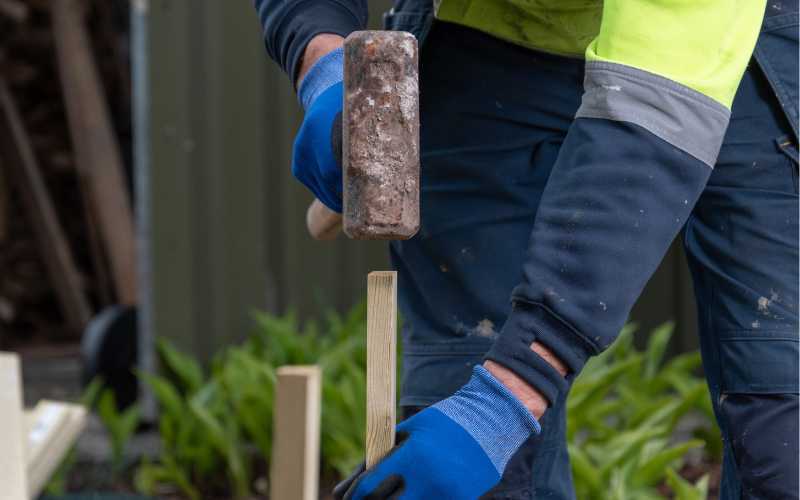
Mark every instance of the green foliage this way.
pixel 683 489
pixel 148 476
pixel 121 425
pixel 217 427
pixel 92 391
pixel 57 485
pixel 622 409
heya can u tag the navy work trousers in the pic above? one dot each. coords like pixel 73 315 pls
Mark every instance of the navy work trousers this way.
pixel 494 116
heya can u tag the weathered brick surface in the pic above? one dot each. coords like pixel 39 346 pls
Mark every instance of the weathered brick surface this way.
pixel 381 136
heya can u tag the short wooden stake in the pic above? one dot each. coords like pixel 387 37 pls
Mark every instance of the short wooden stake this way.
pixel 381 364
pixel 40 425
pixel 295 430
pixel 50 432
pixel 13 476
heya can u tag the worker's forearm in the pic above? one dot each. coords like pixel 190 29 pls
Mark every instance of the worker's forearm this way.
pixel 316 48
pixel 529 395
pixel 289 27
pixel 601 229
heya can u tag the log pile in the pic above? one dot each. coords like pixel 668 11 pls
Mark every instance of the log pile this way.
pixel 34 302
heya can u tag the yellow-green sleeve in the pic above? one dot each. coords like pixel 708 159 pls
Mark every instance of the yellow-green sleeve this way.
pixel 704 45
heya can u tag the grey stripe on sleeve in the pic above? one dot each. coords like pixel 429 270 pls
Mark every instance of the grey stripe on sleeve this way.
pixel 682 116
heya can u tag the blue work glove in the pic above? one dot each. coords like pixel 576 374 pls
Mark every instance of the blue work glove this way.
pixel 317 157
pixel 454 450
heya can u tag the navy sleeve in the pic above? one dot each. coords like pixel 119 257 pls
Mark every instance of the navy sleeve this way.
pixel 290 24
pixel 616 198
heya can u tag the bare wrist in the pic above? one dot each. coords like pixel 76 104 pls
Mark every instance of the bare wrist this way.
pixel 551 358
pixel 529 395
pixel 316 48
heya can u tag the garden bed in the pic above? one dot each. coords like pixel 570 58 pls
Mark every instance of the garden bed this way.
pixel 632 419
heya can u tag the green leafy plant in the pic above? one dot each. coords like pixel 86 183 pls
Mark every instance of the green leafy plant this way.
pixel 621 412
pixel 683 489
pixel 217 427
pixel 57 485
pixel 120 424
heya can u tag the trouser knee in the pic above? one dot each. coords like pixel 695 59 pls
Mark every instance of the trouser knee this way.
pixel 762 432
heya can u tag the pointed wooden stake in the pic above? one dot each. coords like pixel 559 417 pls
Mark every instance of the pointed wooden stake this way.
pixel 381 364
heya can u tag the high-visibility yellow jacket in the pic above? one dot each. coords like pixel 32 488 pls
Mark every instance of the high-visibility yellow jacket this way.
pixel 704 45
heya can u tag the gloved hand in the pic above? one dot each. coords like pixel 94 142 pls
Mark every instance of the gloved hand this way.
pixel 317 157
pixel 454 450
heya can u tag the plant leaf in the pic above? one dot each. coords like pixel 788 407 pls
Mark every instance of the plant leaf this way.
pixel 185 367
pixel 653 471
pixel 656 347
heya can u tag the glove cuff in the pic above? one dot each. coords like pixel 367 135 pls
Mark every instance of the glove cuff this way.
pixel 323 74
pixel 492 415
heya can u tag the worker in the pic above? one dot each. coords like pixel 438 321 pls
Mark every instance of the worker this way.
pixel 564 145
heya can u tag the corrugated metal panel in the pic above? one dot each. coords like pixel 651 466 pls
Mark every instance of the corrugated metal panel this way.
pixel 228 219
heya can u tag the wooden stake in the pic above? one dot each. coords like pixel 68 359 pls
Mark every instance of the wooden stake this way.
pixel 295 429
pixel 57 445
pixel 46 420
pixel 381 364
pixel 20 163
pixel 96 149
pixel 13 476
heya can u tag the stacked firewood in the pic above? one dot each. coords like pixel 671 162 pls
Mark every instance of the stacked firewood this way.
pixel 49 284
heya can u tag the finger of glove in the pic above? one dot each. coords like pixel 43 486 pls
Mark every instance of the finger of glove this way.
pixel 314 158
pixel 341 489
pixel 321 190
pixel 391 487
pixel 386 487
pixel 307 168
pixel 337 145
pixel 330 102
pixel 328 110
pixel 347 488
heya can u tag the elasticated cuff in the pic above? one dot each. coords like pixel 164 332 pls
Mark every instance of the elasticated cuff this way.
pixel 323 74
pixel 492 415
pixel 534 322
pixel 286 37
